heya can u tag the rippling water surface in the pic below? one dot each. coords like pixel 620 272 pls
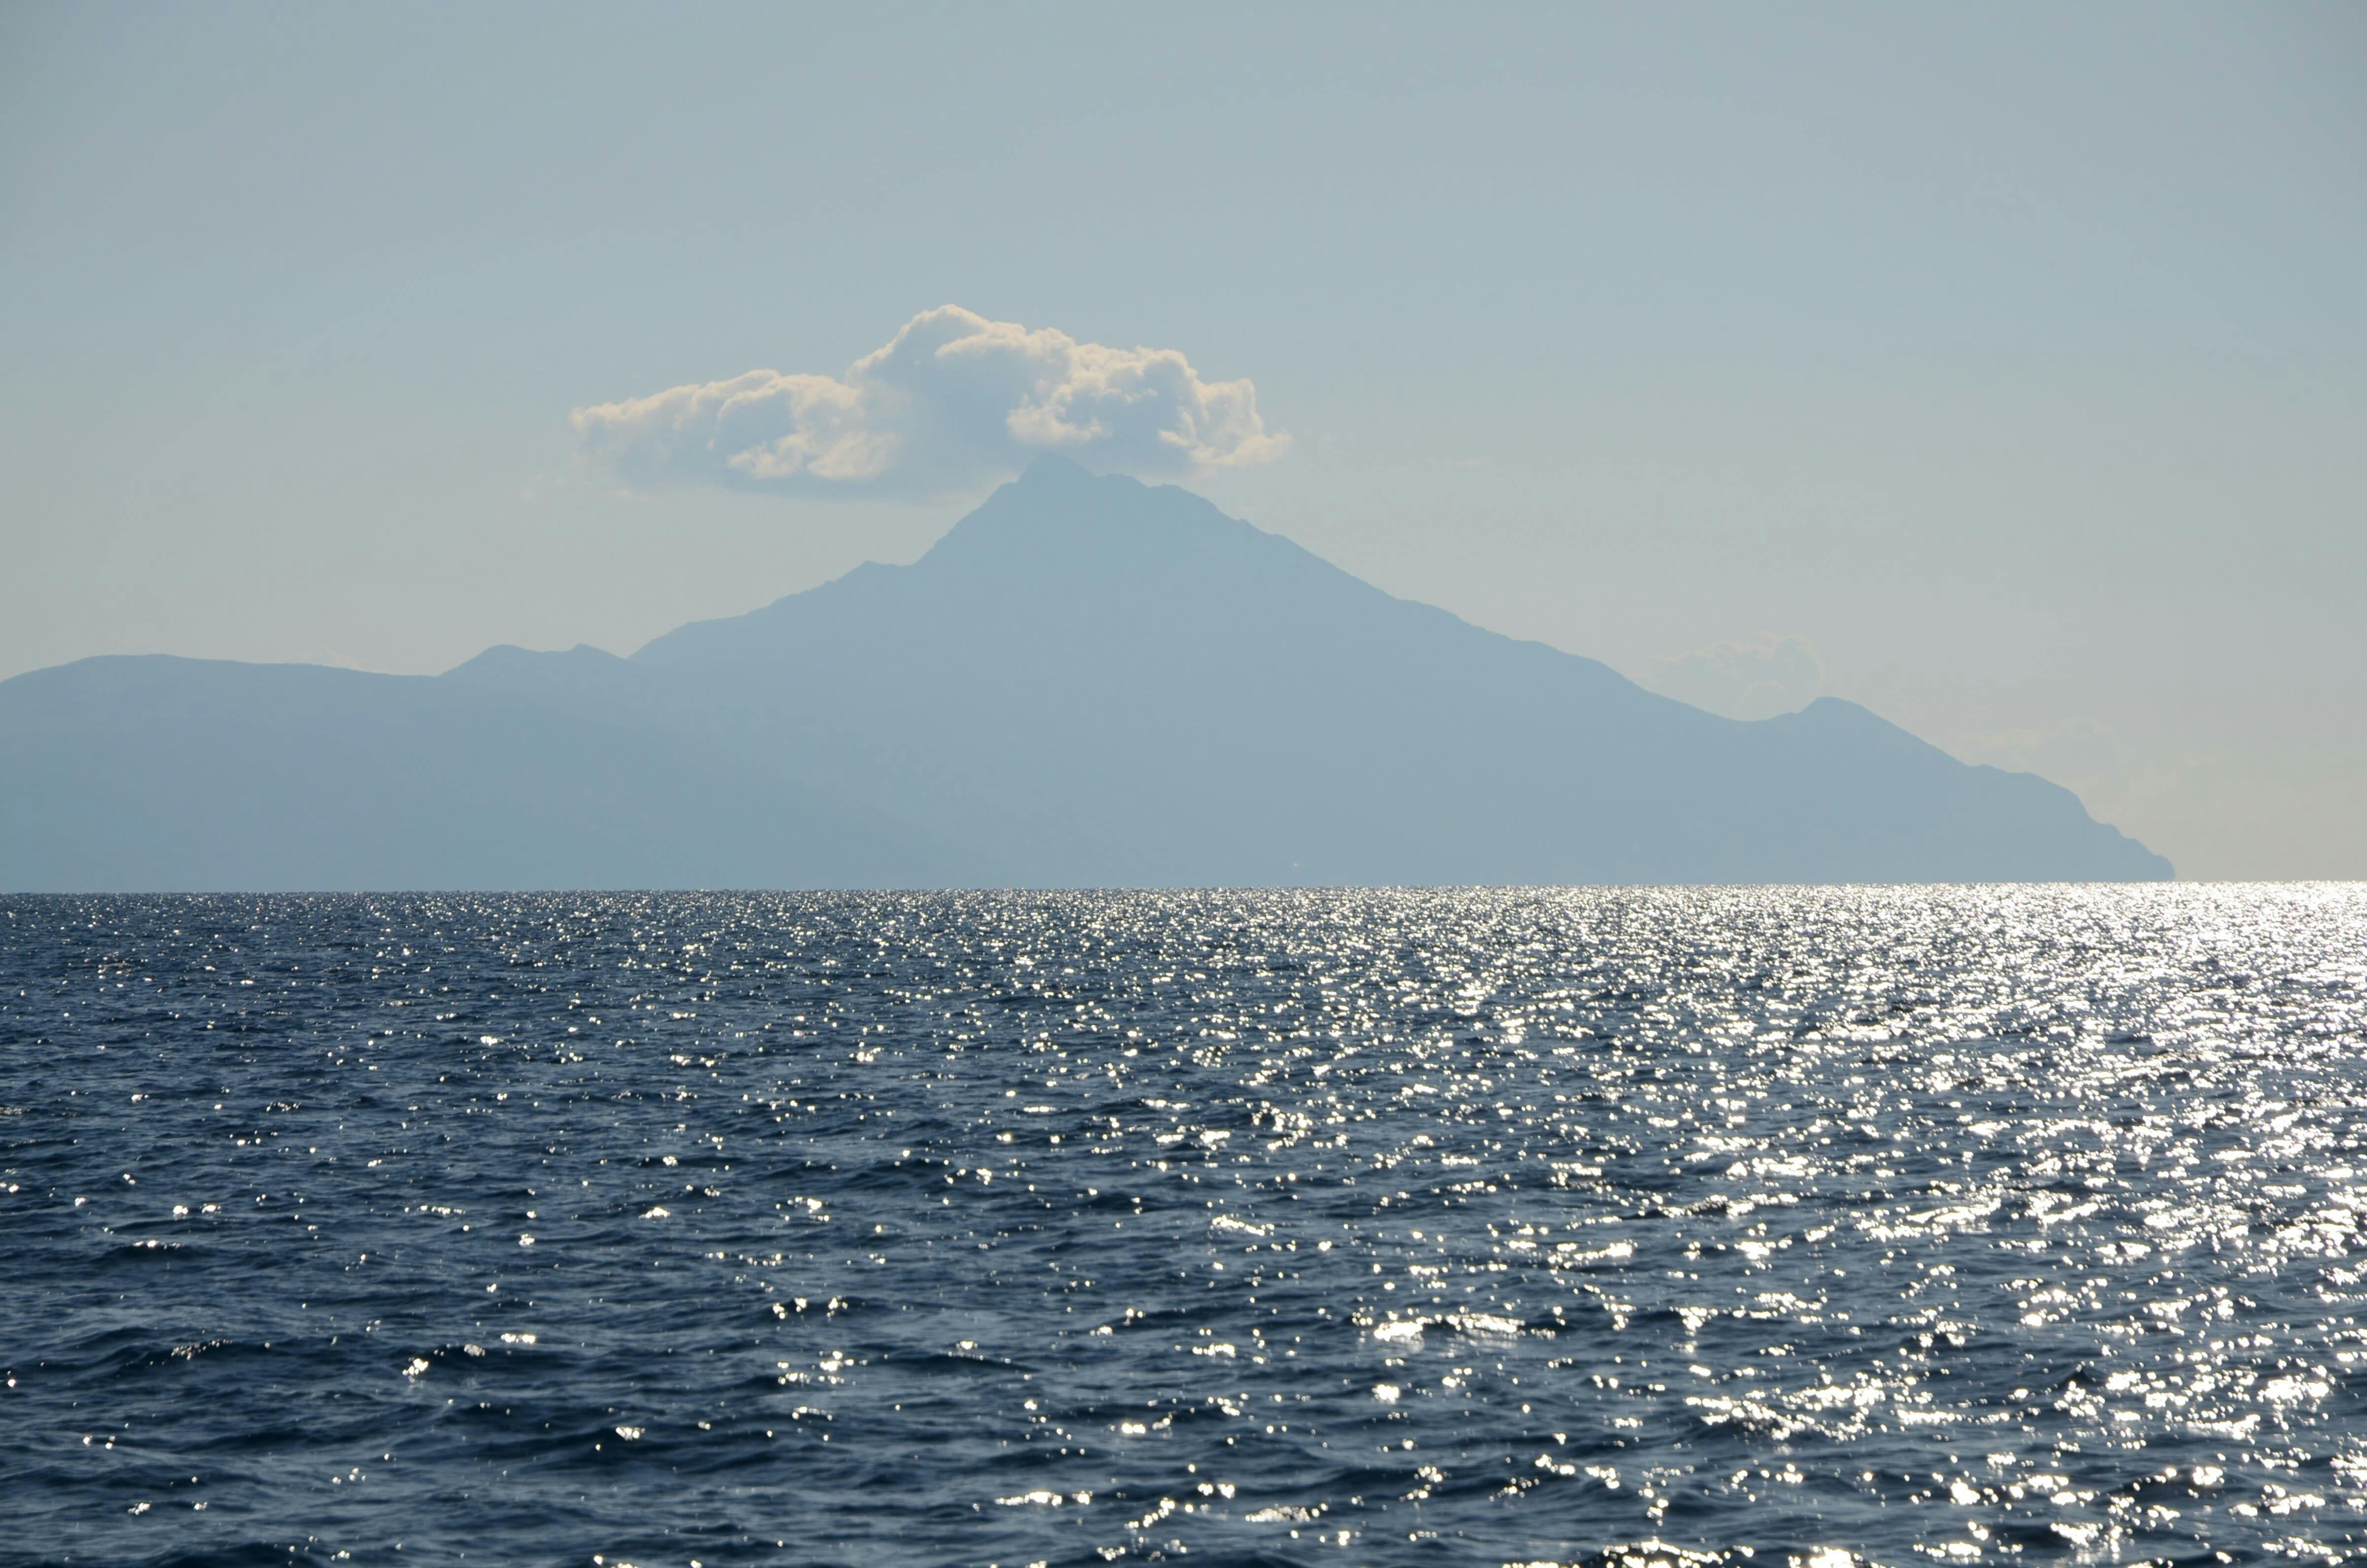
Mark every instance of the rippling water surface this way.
pixel 1472 1227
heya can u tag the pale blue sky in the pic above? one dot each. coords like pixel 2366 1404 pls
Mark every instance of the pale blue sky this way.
pixel 2009 364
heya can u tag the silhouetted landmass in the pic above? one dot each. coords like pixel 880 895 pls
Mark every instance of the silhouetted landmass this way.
pixel 1087 682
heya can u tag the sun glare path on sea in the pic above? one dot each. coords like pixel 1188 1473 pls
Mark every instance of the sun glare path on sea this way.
pixel 1826 1226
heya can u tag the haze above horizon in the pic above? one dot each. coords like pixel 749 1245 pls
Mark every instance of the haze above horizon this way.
pixel 2000 372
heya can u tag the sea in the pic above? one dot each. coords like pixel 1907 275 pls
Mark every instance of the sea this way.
pixel 1814 1227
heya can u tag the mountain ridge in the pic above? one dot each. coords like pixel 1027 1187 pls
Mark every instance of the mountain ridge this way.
pixel 1086 681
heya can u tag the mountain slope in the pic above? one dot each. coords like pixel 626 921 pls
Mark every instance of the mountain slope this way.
pixel 1120 685
pixel 177 775
pixel 1086 682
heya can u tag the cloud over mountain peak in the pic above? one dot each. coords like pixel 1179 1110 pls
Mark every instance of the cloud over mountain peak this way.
pixel 951 400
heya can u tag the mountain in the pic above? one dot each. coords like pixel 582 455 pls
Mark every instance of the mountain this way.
pixel 1087 682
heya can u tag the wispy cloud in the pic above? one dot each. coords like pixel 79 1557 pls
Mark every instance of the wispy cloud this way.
pixel 1742 680
pixel 953 399
pixel 2082 754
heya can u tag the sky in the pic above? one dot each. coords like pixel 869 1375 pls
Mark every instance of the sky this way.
pixel 2003 369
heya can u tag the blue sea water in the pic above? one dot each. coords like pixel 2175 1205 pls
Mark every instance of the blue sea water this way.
pixel 1762 1226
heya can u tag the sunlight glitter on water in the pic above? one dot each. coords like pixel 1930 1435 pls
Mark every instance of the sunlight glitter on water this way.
pixel 1497 1226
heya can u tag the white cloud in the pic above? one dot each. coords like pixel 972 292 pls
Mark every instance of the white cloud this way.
pixel 1743 680
pixel 951 400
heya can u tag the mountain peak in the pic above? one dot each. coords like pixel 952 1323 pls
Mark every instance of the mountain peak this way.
pixel 1054 475
pixel 1053 468
pixel 1058 515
